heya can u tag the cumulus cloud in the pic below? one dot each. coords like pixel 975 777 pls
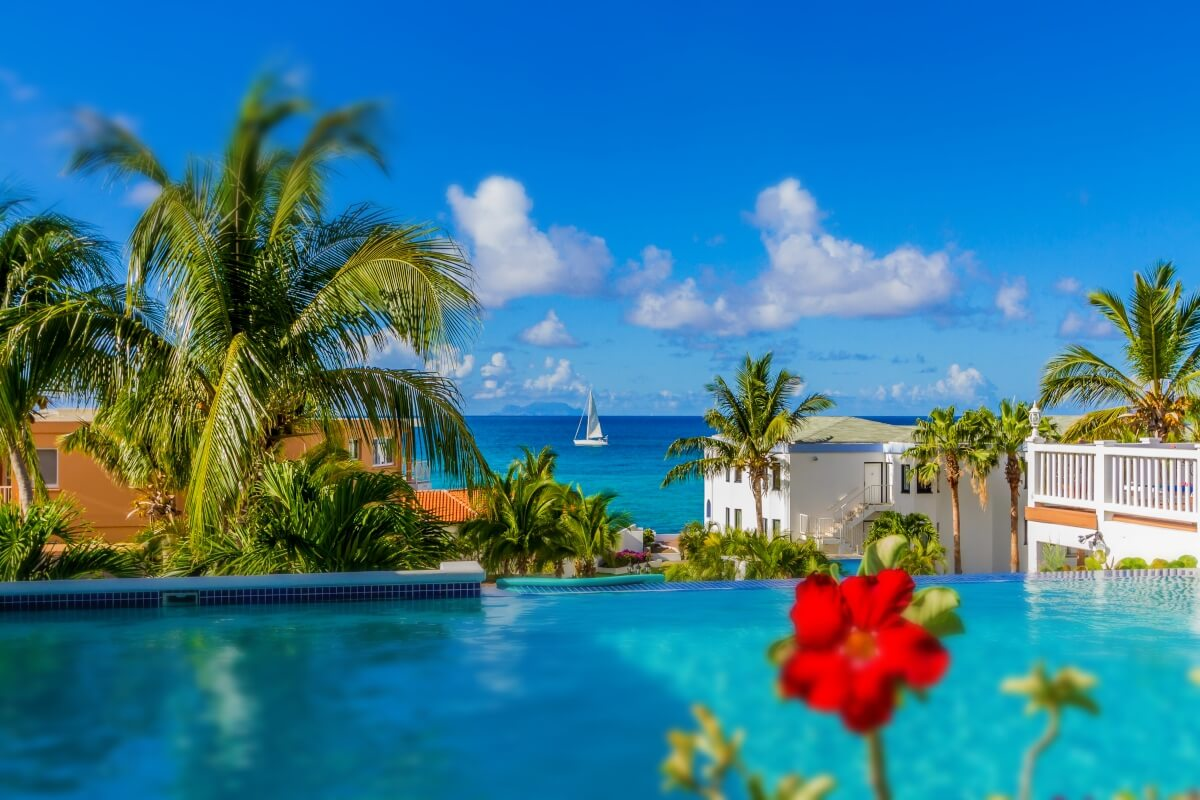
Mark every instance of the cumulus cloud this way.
pixel 560 378
pixel 496 365
pixel 958 385
pixel 491 389
pixel 1011 298
pixel 1068 285
pixel 512 256
pixel 550 332
pixel 809 273
pixel 448 362
pixel 1085 325
pixel 653 269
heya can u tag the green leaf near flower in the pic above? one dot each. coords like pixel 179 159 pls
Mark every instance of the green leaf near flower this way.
pixel 936 610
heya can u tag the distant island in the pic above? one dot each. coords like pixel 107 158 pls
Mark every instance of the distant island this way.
pixel 538 410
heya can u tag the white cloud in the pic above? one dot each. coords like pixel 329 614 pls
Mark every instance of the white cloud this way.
pixel 1068 285
pixel 559 379
pixel 1011 297
pixel 496 365
pixel 958 385
pixel 653 269
pixel 550 332
pixel 513 257
pixel 491 390
pixel 18 90
pixel 809 273
pixel 448 363
pixel 141 194
pixel 1086 325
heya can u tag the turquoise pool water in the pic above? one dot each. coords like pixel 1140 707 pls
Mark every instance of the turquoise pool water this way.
pixel 551 696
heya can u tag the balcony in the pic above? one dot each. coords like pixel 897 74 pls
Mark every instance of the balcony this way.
pixel 1150 482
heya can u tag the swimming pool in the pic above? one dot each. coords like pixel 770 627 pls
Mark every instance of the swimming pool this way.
pixel 548 696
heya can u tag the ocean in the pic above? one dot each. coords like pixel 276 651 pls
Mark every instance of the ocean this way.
pixel 632 465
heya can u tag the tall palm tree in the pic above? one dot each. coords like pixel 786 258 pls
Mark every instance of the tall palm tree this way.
pixel 1153 393
pixel 750 419
pixel 945 443
pixel 1005 435
pixel 273 306
pixel 41 256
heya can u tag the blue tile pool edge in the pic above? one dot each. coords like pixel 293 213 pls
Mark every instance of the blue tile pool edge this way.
pixel 921 580
pixel 453 580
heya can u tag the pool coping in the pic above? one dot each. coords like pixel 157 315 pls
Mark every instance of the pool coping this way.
pixel 921 580
pixel 452 579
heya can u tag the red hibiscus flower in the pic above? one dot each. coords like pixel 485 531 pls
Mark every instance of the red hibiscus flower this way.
pixel 854 651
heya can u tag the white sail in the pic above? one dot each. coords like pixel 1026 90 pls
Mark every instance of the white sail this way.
pixel 593 419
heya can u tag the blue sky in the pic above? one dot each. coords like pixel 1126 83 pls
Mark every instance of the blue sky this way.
pixel 905 204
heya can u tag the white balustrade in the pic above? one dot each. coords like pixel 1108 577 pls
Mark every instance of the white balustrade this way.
pixel 1148 480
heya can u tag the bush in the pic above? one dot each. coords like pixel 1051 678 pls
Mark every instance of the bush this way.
pixel 625 558
pixel 647 538
pixel 1132 562
pixel 714 559
pixel 691 539
pixel 1054 557
pixel 925 555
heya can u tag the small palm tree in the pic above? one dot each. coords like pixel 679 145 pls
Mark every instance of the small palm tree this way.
pixel 541 464
pixel 1006 434
pixel 518 524
pixel 945 443
pixel 591 526
pixel 322 513
pixel 41 256
pixel 47 541
pixel 750 420
pixel 1153 392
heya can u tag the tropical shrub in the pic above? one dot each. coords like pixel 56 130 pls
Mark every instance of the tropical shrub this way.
pixel 50 542
pixel 588 527
pixel 925 554
pixel 1132 562
pixel 765 558
pixel 626 558
pixel 1054 557
pixel 691 538
pixel 320 514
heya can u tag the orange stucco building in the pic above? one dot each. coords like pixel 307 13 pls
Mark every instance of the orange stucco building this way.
pixel 109 507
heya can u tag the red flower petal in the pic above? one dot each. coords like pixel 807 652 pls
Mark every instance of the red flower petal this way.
pixel 908 650
pixel 821 679
pixel 820 615
pixel 871 699
pixel 877 600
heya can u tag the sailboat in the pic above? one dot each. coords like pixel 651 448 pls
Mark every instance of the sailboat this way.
pixel 593 436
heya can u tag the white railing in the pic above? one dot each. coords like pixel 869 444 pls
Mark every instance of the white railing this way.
pixel 1149 479
pixel 801 526
pixel 418 474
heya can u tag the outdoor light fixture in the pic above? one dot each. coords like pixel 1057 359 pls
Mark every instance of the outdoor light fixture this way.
pixel 1035 418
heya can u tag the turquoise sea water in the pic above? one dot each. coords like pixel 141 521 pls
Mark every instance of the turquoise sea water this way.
pixel 632 464
pixel 566 696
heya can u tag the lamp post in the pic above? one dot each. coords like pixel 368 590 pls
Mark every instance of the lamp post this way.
pixel 1035 420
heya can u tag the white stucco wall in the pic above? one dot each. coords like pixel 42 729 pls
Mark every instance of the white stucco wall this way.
pixel 820 475
pixel 1120 540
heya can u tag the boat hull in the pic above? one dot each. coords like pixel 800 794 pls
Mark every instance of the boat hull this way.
pixel 592 442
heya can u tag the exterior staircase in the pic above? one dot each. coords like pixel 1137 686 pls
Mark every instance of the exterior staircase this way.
pixel 837 526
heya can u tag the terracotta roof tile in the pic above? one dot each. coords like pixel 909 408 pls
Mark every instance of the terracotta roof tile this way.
pixel 448 505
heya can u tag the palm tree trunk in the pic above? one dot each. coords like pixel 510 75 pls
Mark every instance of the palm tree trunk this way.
pixel 1014 553
pixel 21 479
pixel 756 486
pixel 955 525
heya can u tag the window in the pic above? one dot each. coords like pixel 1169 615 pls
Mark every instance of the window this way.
pixel 48 466
pixel 775 527
pixel 727 474
pixel 355 447
pixel 737 518
pixel 726 516
pixel 924 487
pixel 776 477
pixel 905 479
pixel 737 475
pixel 383 452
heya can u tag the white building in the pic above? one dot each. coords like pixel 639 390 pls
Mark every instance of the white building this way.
pixel 1129 500
pixel 842 474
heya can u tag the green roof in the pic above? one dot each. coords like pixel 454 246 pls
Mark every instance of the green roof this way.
pixel 852 430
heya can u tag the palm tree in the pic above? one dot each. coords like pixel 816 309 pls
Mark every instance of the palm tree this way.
pixel 541 464
pixel 750 420
pixel 591 526
pixel 47 541
pixel 1006 434
pixel 274 307
pixel 322 513
pixel 1153 392
pixel 41 255
pixel 953 445
pixel 518 525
